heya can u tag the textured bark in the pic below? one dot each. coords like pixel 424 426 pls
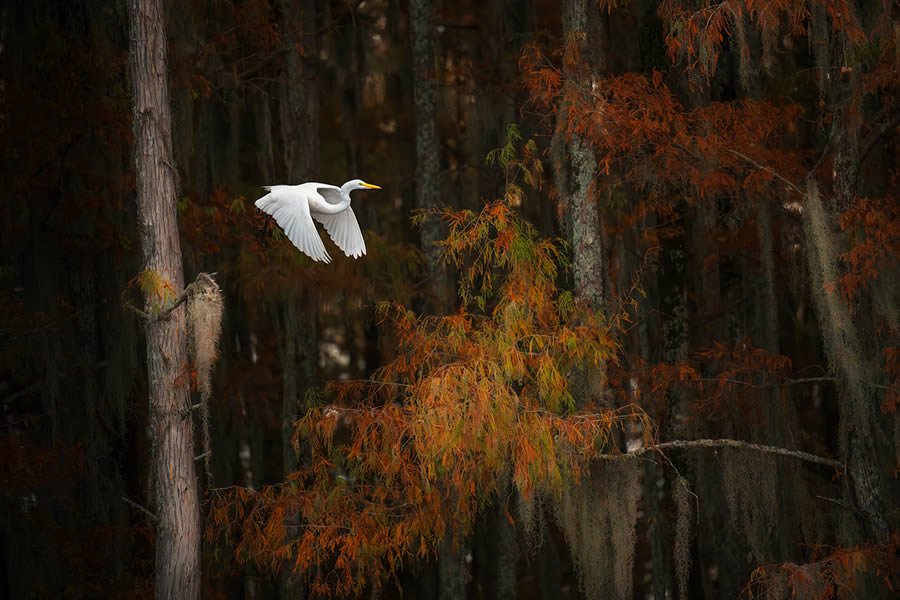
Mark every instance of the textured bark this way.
pixel 587 247
pixel 769 303
pixel 265 155
pixel 428 194
pixel 845 334
pixel 300 107
pixel 232 172
pixel 845 353
pixel 781 417
pixel 300 102
pixel 707 278
pixel 580 165
pixel 298 350
pixel 175 485
pixel 183 34
pixel 451 558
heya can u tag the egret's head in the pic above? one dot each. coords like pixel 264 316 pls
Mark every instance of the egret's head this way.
pixel 359 184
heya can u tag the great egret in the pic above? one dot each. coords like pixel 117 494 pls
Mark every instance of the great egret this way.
pixel 295 206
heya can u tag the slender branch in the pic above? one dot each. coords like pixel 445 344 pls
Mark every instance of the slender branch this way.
pixel 800 381
pixel 768 170
pixel 136 310
pixel 724 443
pixel 841 503
pixel 153 518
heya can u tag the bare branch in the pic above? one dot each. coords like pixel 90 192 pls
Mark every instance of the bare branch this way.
pixel 150 515
pixel 841 503
pixel 768 170
pixel 136 310
pixel 724 443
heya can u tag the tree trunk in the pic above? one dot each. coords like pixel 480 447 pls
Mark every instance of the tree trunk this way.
pixel 300 109
pixel 845 335
pixel 844 349
pixel 300 103
pixel 175 485
pixel 579 166
pixel 428 193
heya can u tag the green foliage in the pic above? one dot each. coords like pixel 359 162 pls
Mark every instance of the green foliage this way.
pixel 506 154
pixel 516 158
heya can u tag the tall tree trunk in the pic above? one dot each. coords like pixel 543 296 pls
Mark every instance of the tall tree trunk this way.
pixel 300 111
pixel 300 108
pixel 451 557
pixel 175 485
pixel 578 167
pixel 845 344
pixel 845 351
pixel 428 193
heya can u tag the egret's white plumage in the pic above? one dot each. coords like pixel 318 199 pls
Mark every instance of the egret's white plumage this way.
pixel 295 206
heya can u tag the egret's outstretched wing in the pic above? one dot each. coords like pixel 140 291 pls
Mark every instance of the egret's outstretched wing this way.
pixel 344 230
pixel 290 209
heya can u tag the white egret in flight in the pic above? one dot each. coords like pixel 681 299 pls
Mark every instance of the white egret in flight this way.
pixel 295 206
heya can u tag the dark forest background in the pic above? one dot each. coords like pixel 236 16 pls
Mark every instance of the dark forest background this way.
pixel 719 182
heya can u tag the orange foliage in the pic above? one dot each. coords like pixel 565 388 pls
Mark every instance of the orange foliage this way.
pixel 644 135
pixel 832 573
pixel 739 372
pixel 473 399
pixel 697 34
pixel 874 225
pixel 230 56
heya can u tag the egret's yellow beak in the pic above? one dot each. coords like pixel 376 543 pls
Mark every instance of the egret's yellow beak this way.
pixel 370 186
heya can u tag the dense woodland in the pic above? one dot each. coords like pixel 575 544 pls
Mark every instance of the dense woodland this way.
pixel 628 325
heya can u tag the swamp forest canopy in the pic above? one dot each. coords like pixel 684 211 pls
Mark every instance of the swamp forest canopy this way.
pixel 628 324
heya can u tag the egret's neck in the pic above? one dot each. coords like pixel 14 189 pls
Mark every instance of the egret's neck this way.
pixel 345 197
pixel 339 207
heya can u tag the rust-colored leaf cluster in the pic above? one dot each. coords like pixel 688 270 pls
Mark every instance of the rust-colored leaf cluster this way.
pixel 832 572
pixel 471 400
pixel 643 135
pixel 874 228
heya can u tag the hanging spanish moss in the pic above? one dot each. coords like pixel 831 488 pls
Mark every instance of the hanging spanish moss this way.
pixel 205 306
pixel 530 519
pixel 841 339
pixel 748 481
pixel 598 518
